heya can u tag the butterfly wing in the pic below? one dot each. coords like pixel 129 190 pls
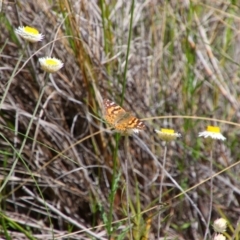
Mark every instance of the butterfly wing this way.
pixel 135 123
pixel 113 112
pixel 120 119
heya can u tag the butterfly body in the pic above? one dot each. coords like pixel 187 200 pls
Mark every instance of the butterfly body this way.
pixel 121 120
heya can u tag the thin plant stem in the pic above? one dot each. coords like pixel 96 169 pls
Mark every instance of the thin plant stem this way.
pixel 40 116
pixel 161 187
pixel 128 52
pixel 10 82
pixel 59 213
pixel 16 118
pixel 126 145
pixel 24 140
pixel 145 147
pixel 211 194
pixel 113 187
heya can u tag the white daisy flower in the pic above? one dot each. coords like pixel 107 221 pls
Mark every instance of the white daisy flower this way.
pixel 50 65
pixel 212 132
pixel 167 134
pixel 29 33
pixel 220 225
pixel 219 237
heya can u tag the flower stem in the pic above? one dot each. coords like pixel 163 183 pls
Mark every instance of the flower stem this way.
pixel 160 189
pixel 126 145
pixel 211 194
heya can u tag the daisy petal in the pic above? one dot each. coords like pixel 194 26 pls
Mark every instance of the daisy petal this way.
pixel 212 132
pixel 50 65
pixel 167 134
pixel 30 34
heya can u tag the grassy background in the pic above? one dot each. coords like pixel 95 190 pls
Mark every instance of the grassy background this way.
pixel 62 174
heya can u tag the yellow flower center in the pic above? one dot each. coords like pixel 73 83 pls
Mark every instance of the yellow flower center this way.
pixel 168 131
pixel 31 30
pixel 51 62
pixel 213 129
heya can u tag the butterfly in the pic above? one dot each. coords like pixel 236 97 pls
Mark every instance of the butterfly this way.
pixel 121 120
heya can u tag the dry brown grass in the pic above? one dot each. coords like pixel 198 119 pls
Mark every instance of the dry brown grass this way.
pixel 183 60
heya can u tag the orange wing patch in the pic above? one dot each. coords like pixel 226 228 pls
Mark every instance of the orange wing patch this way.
pixel 121 120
